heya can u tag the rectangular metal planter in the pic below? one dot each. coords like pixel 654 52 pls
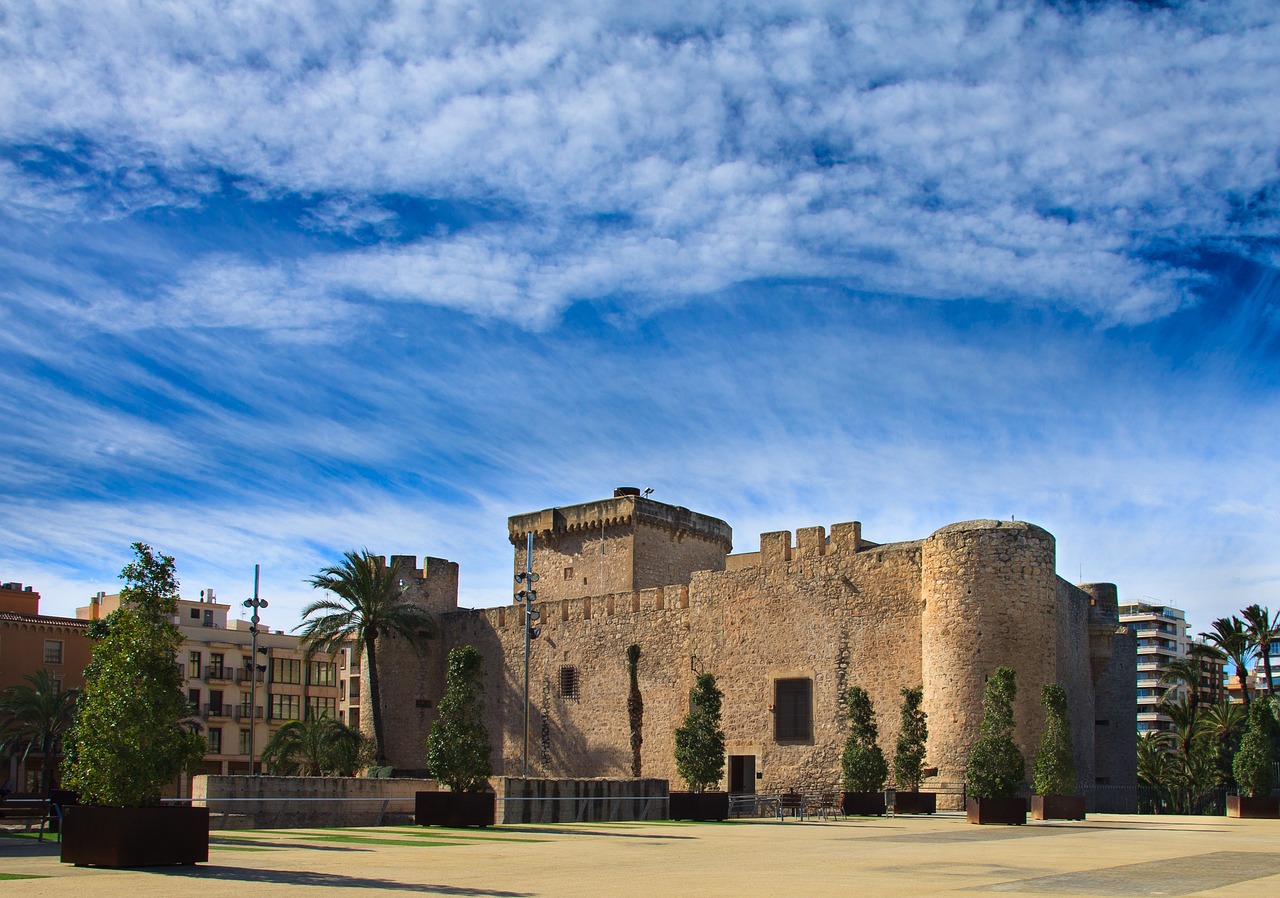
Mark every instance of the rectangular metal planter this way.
pixel 915 802
pixel 862 804
pixel 134 837
pixel 1262 807
pixel 699 806
pixel 1006 811
pixel 1057 807
pixel 453 808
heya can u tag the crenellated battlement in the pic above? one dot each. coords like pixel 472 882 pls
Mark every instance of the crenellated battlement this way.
pixel 776 546
pixel 619 512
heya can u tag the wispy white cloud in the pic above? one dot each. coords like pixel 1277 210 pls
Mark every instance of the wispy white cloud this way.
pixel 1056 155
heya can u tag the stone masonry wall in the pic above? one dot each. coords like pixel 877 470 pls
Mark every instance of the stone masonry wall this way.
pixel 990 597
pixel 412 678
pixel 942 612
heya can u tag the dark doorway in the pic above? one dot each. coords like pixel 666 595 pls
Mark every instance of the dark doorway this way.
pixel 742 773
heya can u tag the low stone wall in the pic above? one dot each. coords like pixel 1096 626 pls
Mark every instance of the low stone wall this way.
pixel 298 802
pixel 582 801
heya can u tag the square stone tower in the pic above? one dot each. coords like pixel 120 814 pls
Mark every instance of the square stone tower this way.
pixel 618 545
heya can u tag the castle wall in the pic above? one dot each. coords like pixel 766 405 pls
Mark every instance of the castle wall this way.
pixel 990 600
pixel 839 611
pixel 412 678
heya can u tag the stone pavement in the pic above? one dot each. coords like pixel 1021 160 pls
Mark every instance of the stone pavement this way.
pixel 1106 855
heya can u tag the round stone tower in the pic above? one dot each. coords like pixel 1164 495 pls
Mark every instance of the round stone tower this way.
pixel 990 599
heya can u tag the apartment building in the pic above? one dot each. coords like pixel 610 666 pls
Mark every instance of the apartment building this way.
pixel 240 700
pixel 1162 636
pixel 30 641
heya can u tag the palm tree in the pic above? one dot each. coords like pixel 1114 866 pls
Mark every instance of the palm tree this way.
pixel 368 604
pixel 1262 632
pixel 1230 636
pixel 35 717
pixel 1223 723
pixel 317 746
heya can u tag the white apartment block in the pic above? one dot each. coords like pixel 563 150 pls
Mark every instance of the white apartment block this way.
pixel 1162 635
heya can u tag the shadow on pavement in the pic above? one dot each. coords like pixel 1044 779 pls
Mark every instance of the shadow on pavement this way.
pixel 323 880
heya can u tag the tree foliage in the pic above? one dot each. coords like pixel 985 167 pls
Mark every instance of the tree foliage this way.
pixel 368 604
pixel 1231 637
pixel 128 741
pixel 1254 764
pixel 700 741
pixel 996 768
pixel 458 749
pixel 913 733
pixel 1262 631
pixel 635 707
pixel 862 763
pixel 34 718
pixel 1055 767
pixel 317 746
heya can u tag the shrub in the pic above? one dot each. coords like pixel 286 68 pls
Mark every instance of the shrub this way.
pixel 458 748
pixel 863 763
pixel 996 767
pixel 1055 768
pixel 913 732
pixel 128 740
pixel 700 741
pixel 1254 764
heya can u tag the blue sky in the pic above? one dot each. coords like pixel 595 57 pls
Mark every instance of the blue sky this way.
pixel 280 280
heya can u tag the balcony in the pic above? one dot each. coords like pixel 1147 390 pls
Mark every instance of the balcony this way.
pixel 219 674
pixel 244 712
pixel 242 676
pixel 216 712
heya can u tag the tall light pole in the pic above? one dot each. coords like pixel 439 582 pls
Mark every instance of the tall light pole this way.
pixel 255 603
pixel 528 595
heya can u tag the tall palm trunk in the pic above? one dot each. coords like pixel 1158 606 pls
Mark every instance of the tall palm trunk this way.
pixel 1265 648
pixel 375 699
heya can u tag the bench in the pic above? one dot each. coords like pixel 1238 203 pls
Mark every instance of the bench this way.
pixel 26 811
pixel 790 803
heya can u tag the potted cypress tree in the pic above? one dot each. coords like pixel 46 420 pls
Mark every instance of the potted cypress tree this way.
pixel 700 756
pixel 128 741
pixel 996 767
pixel 458 749
pixel 1055 768
pixel 1254 766
pixel 908 757
pixel 863 765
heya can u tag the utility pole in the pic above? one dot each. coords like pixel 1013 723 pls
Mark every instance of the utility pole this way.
pixel 255 603
pixel 528 595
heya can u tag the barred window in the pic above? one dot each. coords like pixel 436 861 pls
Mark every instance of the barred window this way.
pixel 569 681
pixel 793 710
pixel 53 651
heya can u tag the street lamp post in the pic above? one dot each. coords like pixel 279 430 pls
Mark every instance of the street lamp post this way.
pixel 528 595
pixel 255 603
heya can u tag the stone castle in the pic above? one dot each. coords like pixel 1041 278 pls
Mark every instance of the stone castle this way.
pixel 785 630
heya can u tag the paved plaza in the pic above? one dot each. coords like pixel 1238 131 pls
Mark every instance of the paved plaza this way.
pixel 1105 855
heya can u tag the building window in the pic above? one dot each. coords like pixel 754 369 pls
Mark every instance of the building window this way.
pixel 193 699
pixel 193 665
pixel 245 737
pixel 568 573
pixel 569 681
pixel 793 710
pixel 355 689
pixel 216 664
pixel 323 673
pixel 286 707
pixel 215 742
pixel 195 614
pixel 286 670
pixel 322 707
pixel 53 651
